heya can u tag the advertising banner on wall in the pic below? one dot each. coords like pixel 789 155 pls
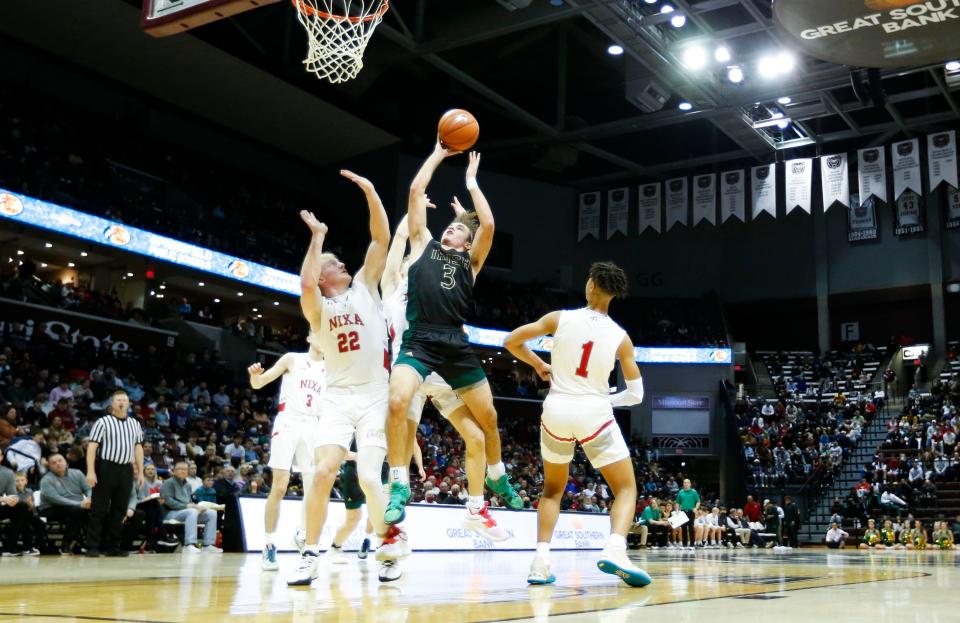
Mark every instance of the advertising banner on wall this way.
pixel 430 527
pixel 705 199
pixel 589 216
pixel 835 181
pixel 26 323
pixel 732 196
pixel 764 185
pixel 650 208
pixel 618 211
pixel 677 203
pixel 799 179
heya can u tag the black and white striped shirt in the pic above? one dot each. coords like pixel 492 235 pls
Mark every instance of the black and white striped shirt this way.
pixel 117 438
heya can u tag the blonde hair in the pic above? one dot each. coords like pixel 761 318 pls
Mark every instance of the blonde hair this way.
pixel 328 257
pixel 470 220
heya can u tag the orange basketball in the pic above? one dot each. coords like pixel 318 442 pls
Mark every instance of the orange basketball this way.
pixel 458 130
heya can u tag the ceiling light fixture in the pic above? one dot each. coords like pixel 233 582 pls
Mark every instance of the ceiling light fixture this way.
pixel 84 254
pixel 615 50
pixel 722 54
pixel 735 75
pixel 685 106
pixel 48 245
pixel 952 66
pixel 784 100
pixel 695 57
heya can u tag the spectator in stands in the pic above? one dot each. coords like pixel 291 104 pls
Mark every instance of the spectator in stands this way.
pixel 34 530
pixel 65 498
pixel 17 514
pixel 195 481
pixel 892 504
pixel 835 537
pixel 179 505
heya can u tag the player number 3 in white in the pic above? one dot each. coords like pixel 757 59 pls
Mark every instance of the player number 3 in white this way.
pixel 449 272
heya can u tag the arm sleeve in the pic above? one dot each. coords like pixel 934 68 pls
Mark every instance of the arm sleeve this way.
pixel 96 432
pixel 632 395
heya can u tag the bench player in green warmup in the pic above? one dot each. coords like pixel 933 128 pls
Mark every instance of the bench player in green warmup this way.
pixel 439 291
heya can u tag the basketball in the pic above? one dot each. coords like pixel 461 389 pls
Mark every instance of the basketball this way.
pixel 458 130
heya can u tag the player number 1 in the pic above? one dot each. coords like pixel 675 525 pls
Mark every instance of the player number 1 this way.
pixel 584 359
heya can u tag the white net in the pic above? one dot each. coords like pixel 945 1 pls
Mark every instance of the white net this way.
pixel 338 32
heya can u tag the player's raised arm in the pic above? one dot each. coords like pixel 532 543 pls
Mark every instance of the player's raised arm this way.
pixel 260 378
pixel 376 257
pixel 391 271
pixel 633 394
pixel 483 239
pixel 516 342
pixel 417 201
pixel 311 299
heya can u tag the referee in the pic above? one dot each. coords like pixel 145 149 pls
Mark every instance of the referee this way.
pixel 114 460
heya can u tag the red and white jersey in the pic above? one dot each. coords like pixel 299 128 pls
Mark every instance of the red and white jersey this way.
pixel 354 338
pixel 395 307
pixel 584 353
pixel 302 386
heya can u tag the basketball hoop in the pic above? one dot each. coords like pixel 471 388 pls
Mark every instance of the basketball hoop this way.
pixel 338 32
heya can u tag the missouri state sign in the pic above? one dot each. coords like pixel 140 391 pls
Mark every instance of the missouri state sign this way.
pixel 873 33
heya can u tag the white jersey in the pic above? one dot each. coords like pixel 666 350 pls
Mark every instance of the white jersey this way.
pixel 584 353
pixel 302 386
pixel 395 307
pixel 354 338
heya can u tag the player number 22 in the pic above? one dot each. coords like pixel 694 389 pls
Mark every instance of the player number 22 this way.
pixel 348 341
pixel 584 359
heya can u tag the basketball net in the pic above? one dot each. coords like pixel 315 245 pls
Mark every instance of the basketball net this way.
pixel 338 32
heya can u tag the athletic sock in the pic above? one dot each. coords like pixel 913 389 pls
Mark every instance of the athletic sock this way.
pixel 400 474
pixel 475 503
pixel 616 542
pixel 335 546
pixel 496 470
pixel 270 538
pixel 543 551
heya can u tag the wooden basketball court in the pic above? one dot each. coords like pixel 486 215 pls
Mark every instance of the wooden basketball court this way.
pixel 486 587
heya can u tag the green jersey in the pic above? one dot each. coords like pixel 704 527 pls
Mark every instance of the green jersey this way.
pixel 688 499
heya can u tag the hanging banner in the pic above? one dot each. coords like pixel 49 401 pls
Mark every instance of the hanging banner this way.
pixel 872 173
pixel 764 185
pixel 862 220
pixel 732 196
pixel 942 159
pixel 705 199
pixel 650 212
pixel 835 181
pixel 676 202
pixel 910 217
pixel 618 211
pixel 799 179
pixel 589 220
pixel 953 208
pixel 906 167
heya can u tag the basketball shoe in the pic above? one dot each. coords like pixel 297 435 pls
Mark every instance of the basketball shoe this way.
pixel 502 487
pixel 483 524
pixel 399 494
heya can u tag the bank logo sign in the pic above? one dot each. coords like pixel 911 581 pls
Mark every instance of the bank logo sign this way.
pixel 873 33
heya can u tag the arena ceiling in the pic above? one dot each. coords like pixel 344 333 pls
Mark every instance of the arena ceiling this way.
pixel 554 104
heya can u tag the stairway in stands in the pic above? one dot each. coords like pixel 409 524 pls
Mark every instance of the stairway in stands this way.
pixel 874 433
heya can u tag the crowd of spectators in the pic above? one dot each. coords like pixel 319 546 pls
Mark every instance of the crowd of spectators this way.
pixel 852 370
pixel 790 441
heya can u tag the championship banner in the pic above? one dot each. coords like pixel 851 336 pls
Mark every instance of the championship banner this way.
pixel 589 219
pixel 650 211
pixel 910 217
pixel 732 196
pixel 705 199
pixel 835 181
pixel 872 33
pixel 872 173
pixel 942 159
pixel 799 179
pixel 953 208
pixel 906 167
pixel 862 219
pixel 764 186
pixel 676 202
pixel 618 211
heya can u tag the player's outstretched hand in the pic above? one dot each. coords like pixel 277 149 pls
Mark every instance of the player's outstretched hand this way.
pixel 430 204
pixel 255 370
pixel 316 227
pixel 457 208
pixel 474 165
pixel 443 151
pixel 543 371
pixel 360 181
